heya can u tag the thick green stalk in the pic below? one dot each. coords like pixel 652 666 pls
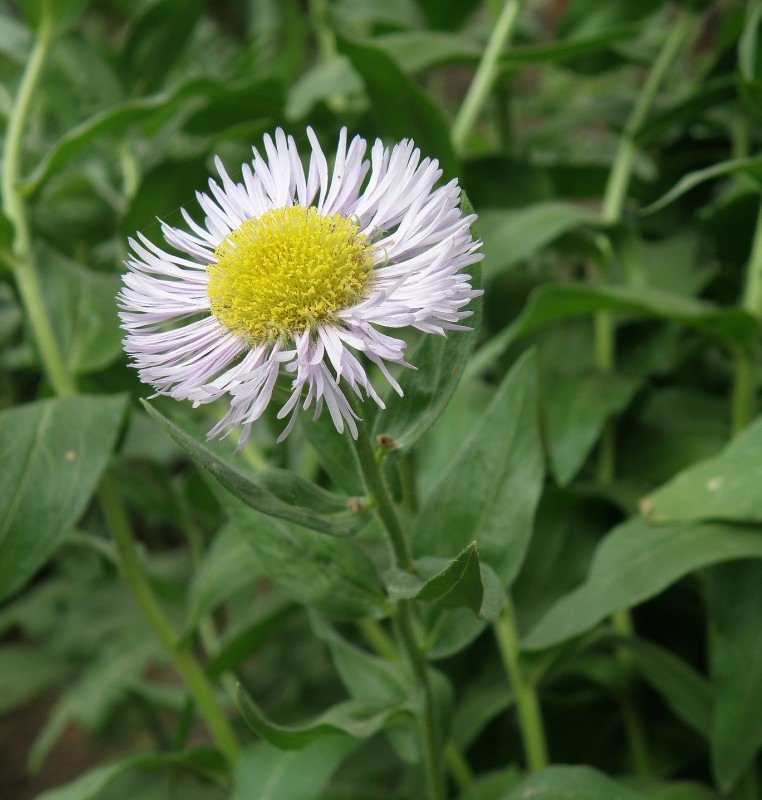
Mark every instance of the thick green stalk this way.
pixel 189 669
pixel 485 75
pixel 404 618
pixel 63 383
pixel 527 704
pixel 24 267
pixel 379 492
pixel 324 34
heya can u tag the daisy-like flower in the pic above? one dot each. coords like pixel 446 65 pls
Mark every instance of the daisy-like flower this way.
pixel 297 270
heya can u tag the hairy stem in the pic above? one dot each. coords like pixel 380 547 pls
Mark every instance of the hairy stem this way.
pixel 404 617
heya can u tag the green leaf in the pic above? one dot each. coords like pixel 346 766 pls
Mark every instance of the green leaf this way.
pixel 724 487
pixel 335 452
pixel 367 677
pixel 439 365
pixel 637 561
pixel 512 235
pixel 736 610
pixel 62 13
pixel 688 694
pixel 53 453
pixel 83 312
pixel 331 575
pixel 566 49
pixel 275 492
pixel 571 783
pixel 414 51
pixel 333 82
pixel 576 409
pixel 156 40
pixel 259 94
pixel 408 111
pixel 15 41
pixel 554 302
pixel 749 166
pixel 352 717
pixel 459 583
pixel 265 772
pixel 26 672
pixel 203 761
pixel 229 566
pixel 489 492
pixel 493 786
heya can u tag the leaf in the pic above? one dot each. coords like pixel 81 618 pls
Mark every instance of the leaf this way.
pixel 724 487
pixel 637 561
pixel 229 566
pixel 489 492
pixel 83 312
pixel 259 94
pixel 156 40
pixel 352 717
pixel 266 773
pixel 439 366
pixel 275 492
pixel 417 50
pixel 750 166
pixel 15 42
pixel 566 49
pixel 27 672
pixel 736 611
pixel 576 409
pixel 688 694
pixel 53 453
pixel 408 111
pixel 203 761
pixel 554 302
pixel 493 786
pixel 61 13
pixel 331 575
pixel 512 235
pixel 333 81
pixel 571 783
pixel 458 584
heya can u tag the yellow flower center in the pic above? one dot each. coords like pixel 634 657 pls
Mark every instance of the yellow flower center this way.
pixel 287 271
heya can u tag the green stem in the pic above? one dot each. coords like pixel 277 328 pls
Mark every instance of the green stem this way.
pixel 637 741
pixel 64 384
pixel 378 491
pixel 24 267
pixel 378 639
pixel 744 391
pixel 527 704
pixel 191 673
pixel 432 748
pixel 324 34
pixel 621 172
pixel 485 75
pixel 458 766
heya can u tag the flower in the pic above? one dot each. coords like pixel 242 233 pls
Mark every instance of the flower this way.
pixel 296 270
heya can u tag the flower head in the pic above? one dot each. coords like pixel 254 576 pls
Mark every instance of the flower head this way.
pixel 296 270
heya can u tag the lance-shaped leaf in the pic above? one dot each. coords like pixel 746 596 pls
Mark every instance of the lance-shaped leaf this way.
pixel 637 561
pixel 551 303
pixel 571 783
pixel 274 492
pixel 353 717
pixel 331 575
pixel 736 607
pixel 724 487
pixel 462 582
pixel 490 491
pixel 53 453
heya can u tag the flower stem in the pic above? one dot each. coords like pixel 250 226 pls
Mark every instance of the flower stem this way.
pixel 404 619
pixel 64 384
pixel 485 75
pixel 527 704
pixel 379 492
pixel 189 669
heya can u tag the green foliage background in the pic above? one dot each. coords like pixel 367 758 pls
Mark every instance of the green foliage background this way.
pixel 597 436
